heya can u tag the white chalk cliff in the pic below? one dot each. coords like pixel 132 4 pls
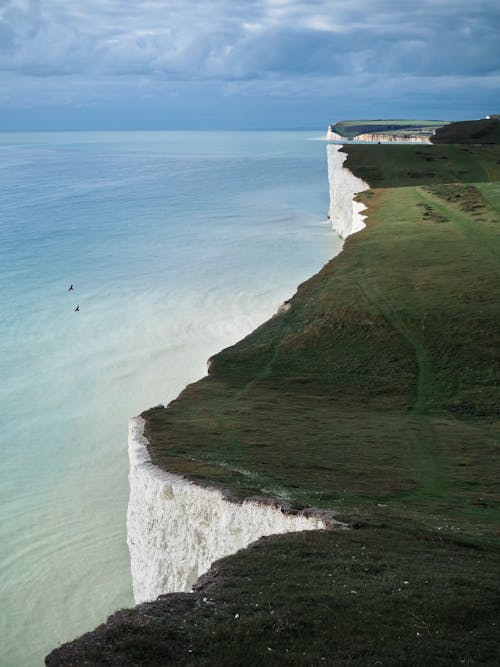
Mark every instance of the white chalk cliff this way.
pixel 384 138
pixel 333 136
pixel 381 137
pixel 175 528
pixel 344 212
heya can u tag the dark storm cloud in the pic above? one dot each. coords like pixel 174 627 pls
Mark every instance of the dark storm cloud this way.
pixel 80 48
pixel 222 39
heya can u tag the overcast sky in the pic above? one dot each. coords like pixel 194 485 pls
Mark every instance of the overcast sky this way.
pixel 151 64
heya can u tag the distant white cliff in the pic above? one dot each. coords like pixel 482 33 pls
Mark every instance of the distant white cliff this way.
pixel 176 529
pixel 393 138
pixel 381 137
pixel 344 212
pixel 333 136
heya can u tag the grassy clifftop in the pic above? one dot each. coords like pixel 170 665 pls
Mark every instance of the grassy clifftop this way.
pixel 484 131
pixel 376 395
pixel 387 166
pixel 363 597
pixel 380 384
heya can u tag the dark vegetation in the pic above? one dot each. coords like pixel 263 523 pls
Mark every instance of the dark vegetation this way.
pixel 376 396
pixel 484 131
pixel 374 596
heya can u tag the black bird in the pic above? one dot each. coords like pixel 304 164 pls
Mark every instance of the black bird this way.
pixel 70 287
pixel 77 309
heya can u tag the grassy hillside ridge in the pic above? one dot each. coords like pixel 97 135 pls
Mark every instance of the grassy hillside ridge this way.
pixel 351 128
pixel 484 131
pixel 377 396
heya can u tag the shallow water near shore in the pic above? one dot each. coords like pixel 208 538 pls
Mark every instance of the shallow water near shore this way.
pixel 177 244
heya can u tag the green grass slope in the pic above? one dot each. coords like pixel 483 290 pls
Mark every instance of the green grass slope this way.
pixel 363 597
pixel 376 396
pixel 388 166
pixel 484 131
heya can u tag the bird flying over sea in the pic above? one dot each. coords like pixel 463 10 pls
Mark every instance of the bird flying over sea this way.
pixel 77 309
pixel 70 287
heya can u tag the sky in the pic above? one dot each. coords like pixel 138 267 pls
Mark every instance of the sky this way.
pixel 252 64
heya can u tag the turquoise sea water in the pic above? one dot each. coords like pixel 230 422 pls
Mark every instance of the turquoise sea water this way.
pixel 177 244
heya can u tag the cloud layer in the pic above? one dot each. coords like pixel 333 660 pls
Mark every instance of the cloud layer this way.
pixel 91 52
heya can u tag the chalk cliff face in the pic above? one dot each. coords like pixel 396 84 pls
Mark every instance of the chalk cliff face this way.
pixel 176 529
pixel 344 213
pixel 384 138
pixel 333 136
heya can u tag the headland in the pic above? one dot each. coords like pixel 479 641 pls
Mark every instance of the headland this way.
pixel 374 398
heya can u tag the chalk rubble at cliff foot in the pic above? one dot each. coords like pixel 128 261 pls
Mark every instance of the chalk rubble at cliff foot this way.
pixel 344 212
pixel 176 529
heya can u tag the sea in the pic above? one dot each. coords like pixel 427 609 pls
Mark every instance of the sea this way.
pixel 176 244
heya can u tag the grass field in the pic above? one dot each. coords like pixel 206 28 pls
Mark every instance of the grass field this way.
pixel 362 597
pixel 376 396
pixel 388 166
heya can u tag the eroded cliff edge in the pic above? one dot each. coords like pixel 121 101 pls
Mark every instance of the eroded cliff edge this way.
pixel 344 212
pixel 176 529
